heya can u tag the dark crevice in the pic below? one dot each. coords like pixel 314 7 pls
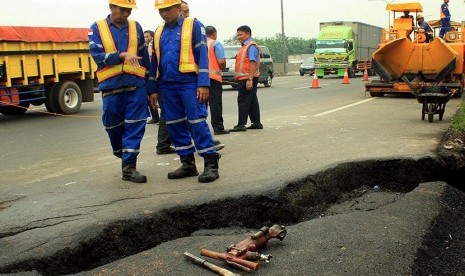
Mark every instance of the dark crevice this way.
pixel 441 252
pixel 300 200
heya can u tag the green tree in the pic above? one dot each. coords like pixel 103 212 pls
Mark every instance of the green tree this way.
pixel 232 41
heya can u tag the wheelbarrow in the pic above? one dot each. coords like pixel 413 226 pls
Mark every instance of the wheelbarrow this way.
pixel 433 99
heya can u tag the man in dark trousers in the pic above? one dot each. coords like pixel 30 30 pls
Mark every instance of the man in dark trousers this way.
pixel 217 63
pixel 148 36
pixel 247 71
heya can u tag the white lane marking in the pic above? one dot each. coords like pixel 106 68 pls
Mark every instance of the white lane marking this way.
pixel 342 107
pixel 306 87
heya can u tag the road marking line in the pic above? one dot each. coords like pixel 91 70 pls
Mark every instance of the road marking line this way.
pixel 305 87
pixel 342 108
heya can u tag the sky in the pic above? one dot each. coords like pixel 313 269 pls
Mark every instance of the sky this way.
pixel 301 17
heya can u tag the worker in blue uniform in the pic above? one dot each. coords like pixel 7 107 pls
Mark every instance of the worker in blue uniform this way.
pixel 182 82
pixel 445 18
pixel 422 24
pixel 117 46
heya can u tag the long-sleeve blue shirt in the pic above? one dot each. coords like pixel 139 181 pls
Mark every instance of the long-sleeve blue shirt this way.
pixel 170 49
pixel 425 26
pixel 102 59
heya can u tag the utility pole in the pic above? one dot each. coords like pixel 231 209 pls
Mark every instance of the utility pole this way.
pixel 283 39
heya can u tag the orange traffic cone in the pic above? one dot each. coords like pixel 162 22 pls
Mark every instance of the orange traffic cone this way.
pixel 315 82
pixel 346 78
pixel 365 74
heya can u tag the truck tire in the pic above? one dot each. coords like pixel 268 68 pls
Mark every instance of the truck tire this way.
pixel 14 110
pixel 351 73
pixel 49 96
pixel 67 97
pixel 269 80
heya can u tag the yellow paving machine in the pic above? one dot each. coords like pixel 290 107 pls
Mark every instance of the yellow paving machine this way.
pixel 407 62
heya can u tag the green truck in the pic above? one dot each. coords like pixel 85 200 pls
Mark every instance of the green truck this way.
pixel 346 44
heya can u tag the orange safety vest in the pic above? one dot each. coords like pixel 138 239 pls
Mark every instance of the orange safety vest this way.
pixel 108 42
pixel 213 64
pixel 186 60
pixel 442 13
pixel 243 62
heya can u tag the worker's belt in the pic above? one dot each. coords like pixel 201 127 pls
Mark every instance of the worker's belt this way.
pixel 107 92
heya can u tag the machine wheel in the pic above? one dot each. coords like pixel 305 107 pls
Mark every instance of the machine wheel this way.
pixel 14 110
pixel 373 94
pixel 302 74
pixel 269 80
pixel 67 97
pixel 458 94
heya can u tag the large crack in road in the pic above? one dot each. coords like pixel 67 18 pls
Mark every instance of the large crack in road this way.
pixel 294 202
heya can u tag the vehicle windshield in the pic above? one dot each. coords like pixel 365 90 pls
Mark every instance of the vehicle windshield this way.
pixel 231 52
pixel 309 61
pixel 328 44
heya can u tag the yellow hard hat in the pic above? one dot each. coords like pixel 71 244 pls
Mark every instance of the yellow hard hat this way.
pixel 420 16
pixel 161 4
pixel 130 4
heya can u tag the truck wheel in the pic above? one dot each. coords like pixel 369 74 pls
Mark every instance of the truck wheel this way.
pixel 49 96
pixel 269 80
pixel 351 73
pixel 67 97
pixel 14 110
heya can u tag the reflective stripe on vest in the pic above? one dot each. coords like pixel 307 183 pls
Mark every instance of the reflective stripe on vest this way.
pixel 243 64
pixel 213 64
pixel 110 71
pixel 186 59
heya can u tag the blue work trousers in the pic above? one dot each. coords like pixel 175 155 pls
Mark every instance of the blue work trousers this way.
pixel 124 117
pixel 445 26
pixel 186 118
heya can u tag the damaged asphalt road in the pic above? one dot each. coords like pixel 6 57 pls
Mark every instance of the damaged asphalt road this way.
pixel 64 210
pixel 377 233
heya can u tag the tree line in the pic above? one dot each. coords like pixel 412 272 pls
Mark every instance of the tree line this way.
pixel 293 45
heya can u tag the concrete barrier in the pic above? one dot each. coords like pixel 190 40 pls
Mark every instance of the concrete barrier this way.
pixel 291 68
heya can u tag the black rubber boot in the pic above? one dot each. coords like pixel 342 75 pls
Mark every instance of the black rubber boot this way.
pixel 210 172
pixel 131 174
pixel 187 168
